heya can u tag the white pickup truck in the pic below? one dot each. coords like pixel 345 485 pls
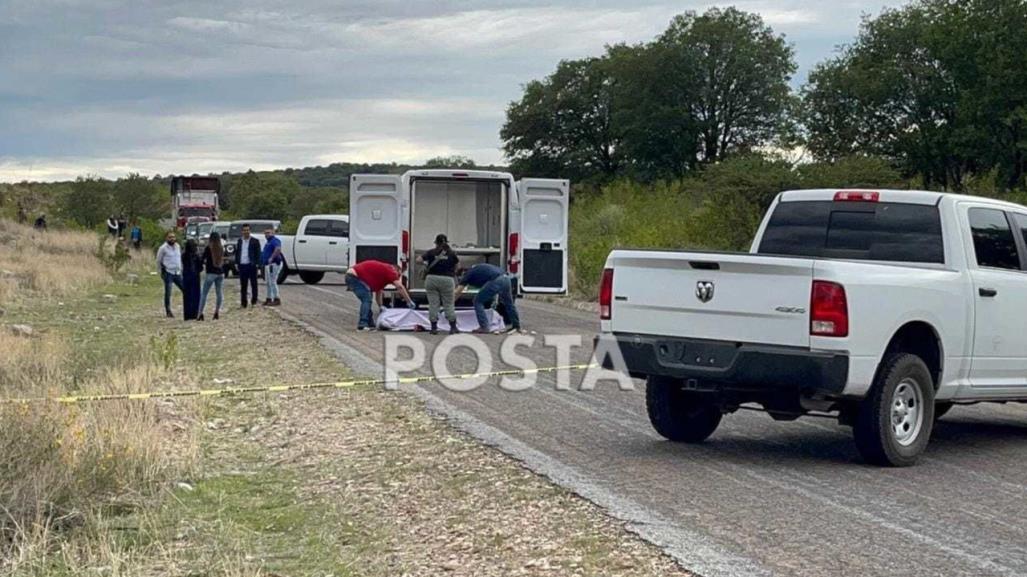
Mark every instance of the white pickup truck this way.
pixel 320 245
pixel 885 307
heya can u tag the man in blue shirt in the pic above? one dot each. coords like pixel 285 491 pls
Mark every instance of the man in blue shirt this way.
pixel 491 281
pixel 272 259
pixel 137 237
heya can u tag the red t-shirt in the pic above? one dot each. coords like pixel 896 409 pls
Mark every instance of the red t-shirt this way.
pixel 376 274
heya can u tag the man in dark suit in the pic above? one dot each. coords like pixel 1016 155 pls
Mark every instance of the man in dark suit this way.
pixel 247 260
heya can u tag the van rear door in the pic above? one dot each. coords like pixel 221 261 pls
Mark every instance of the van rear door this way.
pixel 376 230
pixel 542 248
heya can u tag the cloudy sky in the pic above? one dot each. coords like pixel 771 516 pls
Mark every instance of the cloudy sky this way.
pixel 109 87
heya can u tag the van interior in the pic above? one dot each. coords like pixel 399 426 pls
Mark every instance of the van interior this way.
pixel 469 212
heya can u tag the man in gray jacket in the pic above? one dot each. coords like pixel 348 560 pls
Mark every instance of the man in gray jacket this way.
pixel 169 265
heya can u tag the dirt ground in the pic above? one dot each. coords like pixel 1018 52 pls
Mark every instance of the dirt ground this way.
pixel 404 493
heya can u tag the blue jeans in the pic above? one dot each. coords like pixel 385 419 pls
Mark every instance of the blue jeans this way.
pixel 365 295
pixel 171 279
pixel 271 279
pixel 218 281
pixel 498 286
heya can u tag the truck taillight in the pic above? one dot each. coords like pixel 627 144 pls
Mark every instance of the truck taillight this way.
pixel 606 295
pixel 513 245
pixel 829 310
pixel 857 196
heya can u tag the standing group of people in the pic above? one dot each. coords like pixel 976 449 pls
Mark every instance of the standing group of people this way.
pixel 184 268
pixel 195 274
pixel 117 226
pixel 369 278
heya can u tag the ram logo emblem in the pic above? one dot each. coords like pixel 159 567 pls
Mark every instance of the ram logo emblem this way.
pixel 704 291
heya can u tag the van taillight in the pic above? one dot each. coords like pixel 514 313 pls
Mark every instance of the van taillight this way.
pixel 513 244
pixel 404 254
pixel 606 295
pixel 829 310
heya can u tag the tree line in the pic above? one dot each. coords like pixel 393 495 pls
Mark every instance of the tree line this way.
pixel 936 88
pixel 287 194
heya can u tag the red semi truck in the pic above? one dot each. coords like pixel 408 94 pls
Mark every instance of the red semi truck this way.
pixel 195 199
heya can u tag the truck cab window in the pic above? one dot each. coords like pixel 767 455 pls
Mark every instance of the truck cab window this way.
pixel 884 231
pixel 316 227
pixel 1021 223
pixel 338 228
pixel 994 243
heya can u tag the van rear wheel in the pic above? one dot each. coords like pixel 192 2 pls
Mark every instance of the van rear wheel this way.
pixel 894 422
pixel 680 415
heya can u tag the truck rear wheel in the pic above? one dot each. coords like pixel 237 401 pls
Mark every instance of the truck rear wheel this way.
pixel 894 422
pixel 312 276
pixel 679 415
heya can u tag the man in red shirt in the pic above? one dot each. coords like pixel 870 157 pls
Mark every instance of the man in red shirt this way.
pixel 370 277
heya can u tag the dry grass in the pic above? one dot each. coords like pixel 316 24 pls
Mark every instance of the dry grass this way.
pixel 47 264
pixel 63 468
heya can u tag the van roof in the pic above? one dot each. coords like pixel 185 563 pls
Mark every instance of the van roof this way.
pixel 891 195
pixel 457 173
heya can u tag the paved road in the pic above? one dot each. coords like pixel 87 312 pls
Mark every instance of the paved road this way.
pixel 760 497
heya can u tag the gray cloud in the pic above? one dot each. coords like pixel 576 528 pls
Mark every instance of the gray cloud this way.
pixel 110 86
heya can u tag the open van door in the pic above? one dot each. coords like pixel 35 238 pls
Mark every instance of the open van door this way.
pixel 375 209
pixel 542 249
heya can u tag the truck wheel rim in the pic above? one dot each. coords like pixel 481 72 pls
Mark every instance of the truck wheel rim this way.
pixel 907 412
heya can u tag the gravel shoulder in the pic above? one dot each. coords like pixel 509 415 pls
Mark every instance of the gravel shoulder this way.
pixel 395 491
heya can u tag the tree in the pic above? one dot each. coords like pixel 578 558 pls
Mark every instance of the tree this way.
pixel 938 87
pixel 320 200
pixel 88 202
pixel 728 72
pixel 263 195
pixel 454 161
pixel 710 86
pixel 562 126
pixel 138 197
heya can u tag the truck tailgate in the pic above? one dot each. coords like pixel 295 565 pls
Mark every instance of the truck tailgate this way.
pixel 743 297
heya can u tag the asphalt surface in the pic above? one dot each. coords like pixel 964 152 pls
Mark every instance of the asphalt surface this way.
pixel 759 497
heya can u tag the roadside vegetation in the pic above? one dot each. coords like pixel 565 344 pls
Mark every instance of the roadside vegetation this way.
pixel 683 140
pixel 336 482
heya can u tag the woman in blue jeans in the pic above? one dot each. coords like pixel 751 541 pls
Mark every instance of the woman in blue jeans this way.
pixel 214 265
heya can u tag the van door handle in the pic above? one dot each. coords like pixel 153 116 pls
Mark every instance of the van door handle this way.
pixel 302 241
pixel 332 242
pixel 987 292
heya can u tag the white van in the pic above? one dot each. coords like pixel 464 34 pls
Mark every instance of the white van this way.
pixel 519 226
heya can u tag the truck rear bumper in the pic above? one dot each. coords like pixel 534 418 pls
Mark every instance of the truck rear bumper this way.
pixel 722 365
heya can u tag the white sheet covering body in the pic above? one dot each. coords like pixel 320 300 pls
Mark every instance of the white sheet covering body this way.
pixel 401 319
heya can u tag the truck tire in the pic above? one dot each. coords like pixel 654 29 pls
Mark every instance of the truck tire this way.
pixel 679 415
pixel 284 273
pixel 312 276
pixel 895 420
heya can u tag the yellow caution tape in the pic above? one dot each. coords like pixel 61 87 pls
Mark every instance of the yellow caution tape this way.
pixel 284 388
